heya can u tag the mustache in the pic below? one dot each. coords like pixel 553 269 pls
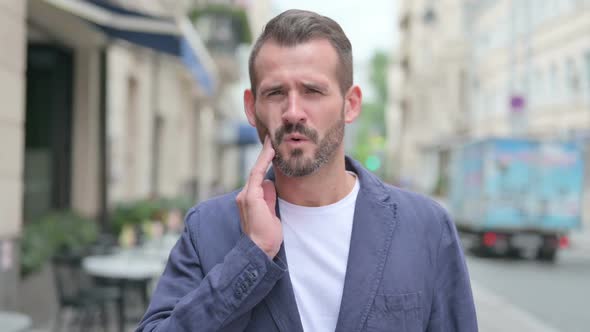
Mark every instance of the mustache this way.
pixel 290 128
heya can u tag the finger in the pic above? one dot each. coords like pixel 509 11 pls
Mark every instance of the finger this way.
pixel 264 159
pixel 270 195
pixel 244 193
pixel 241 201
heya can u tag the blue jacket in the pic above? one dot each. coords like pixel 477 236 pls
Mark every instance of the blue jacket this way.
pixel 406 271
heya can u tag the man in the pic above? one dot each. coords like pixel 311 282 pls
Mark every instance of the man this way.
pixel 321 244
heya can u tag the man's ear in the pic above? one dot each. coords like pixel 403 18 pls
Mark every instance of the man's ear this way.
pixel 352 103
pixel 249 107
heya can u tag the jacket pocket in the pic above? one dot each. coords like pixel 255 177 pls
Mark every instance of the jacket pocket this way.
pixel 396 312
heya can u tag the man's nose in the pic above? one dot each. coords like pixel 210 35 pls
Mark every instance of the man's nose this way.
pixel 294 112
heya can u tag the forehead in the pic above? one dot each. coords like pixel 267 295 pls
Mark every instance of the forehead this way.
pixel 312 60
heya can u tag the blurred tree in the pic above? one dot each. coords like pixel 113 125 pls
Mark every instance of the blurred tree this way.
pixel 378 75
pixel 370 135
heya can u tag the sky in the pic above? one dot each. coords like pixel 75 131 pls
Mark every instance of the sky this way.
pixel 369 24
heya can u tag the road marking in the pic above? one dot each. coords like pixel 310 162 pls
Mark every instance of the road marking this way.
pixel 496 314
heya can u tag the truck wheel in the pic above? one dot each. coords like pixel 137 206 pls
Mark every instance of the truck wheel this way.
pixel 547 255
pixel 479 249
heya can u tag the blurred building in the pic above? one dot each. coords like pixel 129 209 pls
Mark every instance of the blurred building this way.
pixel 107 102
pixel 496 68
pixel 238 140
pixel 530 68
pixel 393 119
pixel 429 90
pixel 12 133
pixel 489 68
pixel 530 72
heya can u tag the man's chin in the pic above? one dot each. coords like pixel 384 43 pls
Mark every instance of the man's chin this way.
pixel 291 152
pixel 295 166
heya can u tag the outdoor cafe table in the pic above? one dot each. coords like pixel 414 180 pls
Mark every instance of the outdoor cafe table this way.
pixel 123 266
pixel 14 322
pixel 136 266
pixel 145 262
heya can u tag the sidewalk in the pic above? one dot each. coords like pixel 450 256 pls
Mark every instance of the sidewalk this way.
pixel 494 314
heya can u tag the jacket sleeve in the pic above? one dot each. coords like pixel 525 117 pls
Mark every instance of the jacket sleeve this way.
pixel 453 308
pixel 187 299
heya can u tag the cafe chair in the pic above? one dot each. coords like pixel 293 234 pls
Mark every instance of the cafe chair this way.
pixel 77 292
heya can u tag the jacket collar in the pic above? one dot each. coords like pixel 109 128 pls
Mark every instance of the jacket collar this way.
pixel 374 221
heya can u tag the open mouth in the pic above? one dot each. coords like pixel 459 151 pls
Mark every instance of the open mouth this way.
pixel 296 140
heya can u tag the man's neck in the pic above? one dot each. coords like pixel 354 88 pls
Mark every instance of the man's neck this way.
pixel 327 185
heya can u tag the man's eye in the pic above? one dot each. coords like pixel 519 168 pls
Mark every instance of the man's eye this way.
pixel 312 91
pixel 275 93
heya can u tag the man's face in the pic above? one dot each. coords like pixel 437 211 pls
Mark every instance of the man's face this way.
pixel 299 104
pixel 296 163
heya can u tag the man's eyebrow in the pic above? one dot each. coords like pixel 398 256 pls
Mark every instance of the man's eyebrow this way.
pixel 270 88
pixel 315 86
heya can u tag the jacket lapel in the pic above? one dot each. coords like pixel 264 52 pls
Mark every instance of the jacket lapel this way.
pixel 281 302
pixel 372 230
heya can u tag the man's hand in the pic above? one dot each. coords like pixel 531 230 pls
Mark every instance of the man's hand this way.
pixel 257 206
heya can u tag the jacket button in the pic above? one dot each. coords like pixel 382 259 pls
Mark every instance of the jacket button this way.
pixel 252 275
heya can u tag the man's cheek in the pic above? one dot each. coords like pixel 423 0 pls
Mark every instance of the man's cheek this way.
pixel 261 133
pixel 261 129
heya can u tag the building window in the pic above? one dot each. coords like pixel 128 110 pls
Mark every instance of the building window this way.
pixel 554 84
pixel 542 90
pixel 553 9
pixel 488 104
pixel 536 88
pixel 571 77
pixel 569 6
pixel 550 8
pixel 476 102
pixel 504 100
pixel 588 75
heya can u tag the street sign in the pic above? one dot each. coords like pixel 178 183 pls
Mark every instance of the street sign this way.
pixel 517 103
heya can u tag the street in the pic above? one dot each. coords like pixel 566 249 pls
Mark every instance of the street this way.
pixel 527 295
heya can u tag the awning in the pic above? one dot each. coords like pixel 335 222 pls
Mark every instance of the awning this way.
pixel 173 36
pixel 237 133
pixel 247 134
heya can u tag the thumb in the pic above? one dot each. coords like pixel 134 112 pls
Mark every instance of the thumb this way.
pixel 270 194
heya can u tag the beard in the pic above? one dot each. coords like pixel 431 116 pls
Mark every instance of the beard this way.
pixel 296 164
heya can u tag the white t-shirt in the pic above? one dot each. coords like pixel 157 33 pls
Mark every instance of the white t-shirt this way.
pixel 317 240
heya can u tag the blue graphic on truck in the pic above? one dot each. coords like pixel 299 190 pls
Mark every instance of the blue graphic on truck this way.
pixel 513 188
